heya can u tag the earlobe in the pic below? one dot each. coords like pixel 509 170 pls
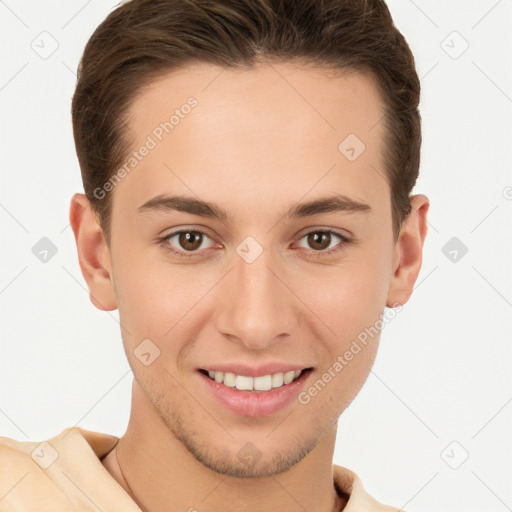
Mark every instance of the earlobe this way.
pixel 93 253
pixel 408 252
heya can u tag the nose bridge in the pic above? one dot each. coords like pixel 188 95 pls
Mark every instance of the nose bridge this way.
pixel 256 309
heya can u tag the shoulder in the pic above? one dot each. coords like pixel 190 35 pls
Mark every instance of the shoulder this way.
pixel 359 500
pixel 52 474
pixel 23 478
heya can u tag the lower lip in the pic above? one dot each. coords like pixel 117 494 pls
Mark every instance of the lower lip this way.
pixel 256 403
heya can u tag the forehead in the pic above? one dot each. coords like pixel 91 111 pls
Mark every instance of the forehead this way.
pixel 335 100
pixel 273 129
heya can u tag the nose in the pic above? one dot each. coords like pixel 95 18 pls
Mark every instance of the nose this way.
pixel 255 305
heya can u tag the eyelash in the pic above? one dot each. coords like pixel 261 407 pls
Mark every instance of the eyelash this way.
pixel 194 254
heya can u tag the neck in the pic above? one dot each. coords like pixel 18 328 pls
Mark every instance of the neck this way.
pixel 158 472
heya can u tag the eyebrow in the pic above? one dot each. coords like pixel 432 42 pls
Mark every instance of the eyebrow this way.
pixel 335 203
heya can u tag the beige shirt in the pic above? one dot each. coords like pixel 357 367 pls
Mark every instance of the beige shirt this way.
pixel 65 474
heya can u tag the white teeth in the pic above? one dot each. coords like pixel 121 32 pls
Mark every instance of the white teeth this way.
pixel 261 383
pixel 242 383
pixel 230 379
pixel 277 380
pixel 288 377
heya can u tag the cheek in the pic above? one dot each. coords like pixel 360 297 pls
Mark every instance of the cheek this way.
pixel 169 304
pixel 351 305
pixel 161 303
pixel 347 298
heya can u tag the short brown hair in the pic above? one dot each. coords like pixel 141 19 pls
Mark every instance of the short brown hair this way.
pixel 142 40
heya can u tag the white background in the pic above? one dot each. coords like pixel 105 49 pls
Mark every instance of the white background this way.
pixel 443 372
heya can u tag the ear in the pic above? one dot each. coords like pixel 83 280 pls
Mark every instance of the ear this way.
pixel 408 252
pixel 93 253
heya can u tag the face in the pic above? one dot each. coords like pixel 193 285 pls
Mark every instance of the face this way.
pixel 250 274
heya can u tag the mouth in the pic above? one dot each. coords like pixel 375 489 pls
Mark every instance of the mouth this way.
pixel 257 384
pixel 256 395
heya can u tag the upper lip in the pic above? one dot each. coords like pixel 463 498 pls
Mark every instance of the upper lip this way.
pixel 249 370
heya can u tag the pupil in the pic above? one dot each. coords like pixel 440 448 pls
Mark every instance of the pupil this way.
pixel 318 238
pixel 189 239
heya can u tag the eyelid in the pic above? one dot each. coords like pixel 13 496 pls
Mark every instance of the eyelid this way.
pixel 345 240
pixel 164 240
pixel 343 233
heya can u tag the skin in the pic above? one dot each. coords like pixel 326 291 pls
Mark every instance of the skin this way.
pixel 255 146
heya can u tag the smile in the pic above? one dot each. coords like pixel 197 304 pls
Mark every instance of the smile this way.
pixel 257 395
pixel 260 383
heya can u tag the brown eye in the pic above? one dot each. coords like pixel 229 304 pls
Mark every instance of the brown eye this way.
pixel 187 242
pixel 319 240
pixel 324 242
pixel 190 240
